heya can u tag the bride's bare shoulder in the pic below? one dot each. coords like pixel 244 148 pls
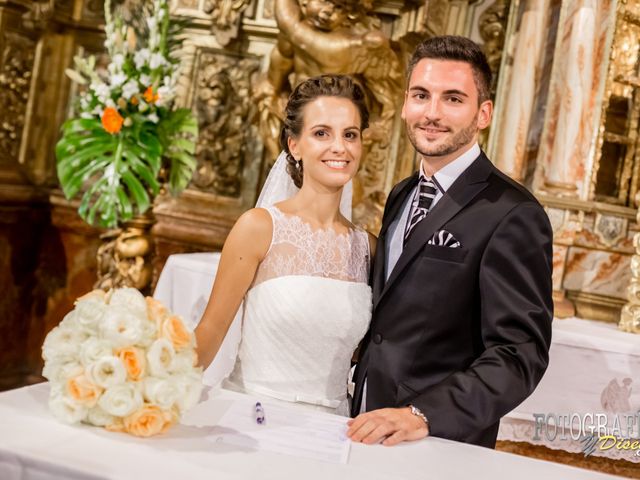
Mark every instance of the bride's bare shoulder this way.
pixel 253 231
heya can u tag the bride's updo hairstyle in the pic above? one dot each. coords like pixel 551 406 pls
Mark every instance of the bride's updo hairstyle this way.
pixel 306 92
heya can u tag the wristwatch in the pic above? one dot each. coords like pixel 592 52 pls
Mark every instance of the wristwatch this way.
pixel 418 413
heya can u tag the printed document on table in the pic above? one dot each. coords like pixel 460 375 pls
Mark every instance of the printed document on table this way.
pixel 287 430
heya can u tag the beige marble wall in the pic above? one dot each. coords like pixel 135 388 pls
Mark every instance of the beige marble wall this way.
pixel 520 86
pixel 575 93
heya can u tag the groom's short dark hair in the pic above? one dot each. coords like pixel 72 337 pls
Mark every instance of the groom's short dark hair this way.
pixel 461 49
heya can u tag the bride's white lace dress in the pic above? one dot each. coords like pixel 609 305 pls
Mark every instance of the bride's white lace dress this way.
pixel 305 313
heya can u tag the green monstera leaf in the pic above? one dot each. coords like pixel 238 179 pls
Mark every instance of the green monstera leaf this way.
pixel 116 173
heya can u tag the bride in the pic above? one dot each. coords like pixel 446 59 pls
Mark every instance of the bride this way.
pixel 299 264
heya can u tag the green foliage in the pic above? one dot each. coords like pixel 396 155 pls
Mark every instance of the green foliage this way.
pixel 118 174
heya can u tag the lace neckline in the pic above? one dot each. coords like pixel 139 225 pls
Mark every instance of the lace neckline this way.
pixel 320 230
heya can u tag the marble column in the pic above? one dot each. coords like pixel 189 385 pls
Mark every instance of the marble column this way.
pixel 518 102
pixel 569 125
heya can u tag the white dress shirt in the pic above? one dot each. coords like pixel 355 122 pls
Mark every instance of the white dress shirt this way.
pixel 443 179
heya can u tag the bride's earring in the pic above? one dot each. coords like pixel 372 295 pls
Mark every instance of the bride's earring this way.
pixel 298 164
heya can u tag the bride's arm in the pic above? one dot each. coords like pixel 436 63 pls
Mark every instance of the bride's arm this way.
pixel 373 241
pixel 244 249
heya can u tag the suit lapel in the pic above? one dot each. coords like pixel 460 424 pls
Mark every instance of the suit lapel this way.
pixel 395 203
pixel 471 182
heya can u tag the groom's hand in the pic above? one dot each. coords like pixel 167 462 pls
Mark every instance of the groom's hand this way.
pixel 391 425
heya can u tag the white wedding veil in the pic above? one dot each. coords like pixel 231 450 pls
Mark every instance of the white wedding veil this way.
pixel 279 186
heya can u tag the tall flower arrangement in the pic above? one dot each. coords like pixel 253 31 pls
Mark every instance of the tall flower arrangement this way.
pixel 128 128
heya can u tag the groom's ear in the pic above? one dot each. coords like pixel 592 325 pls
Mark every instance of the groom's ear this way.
pixel 293 147
pixel 484 114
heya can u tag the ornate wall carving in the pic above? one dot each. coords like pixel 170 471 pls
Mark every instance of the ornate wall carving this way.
pixel 18 56
pixel 226 111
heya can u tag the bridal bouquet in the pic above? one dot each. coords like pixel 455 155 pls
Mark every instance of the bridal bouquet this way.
pixel 123 362
pixel 128 137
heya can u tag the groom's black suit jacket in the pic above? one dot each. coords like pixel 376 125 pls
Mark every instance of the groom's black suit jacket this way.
pixel 462 333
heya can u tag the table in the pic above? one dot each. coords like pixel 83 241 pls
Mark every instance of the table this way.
pixel 585 358
pixel 589 362
pixel 184 287
pixel 33 444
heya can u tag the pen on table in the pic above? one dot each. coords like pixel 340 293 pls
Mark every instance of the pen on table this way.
pixel 259 414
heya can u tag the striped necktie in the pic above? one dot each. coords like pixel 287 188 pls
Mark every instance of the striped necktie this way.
pixel 426 193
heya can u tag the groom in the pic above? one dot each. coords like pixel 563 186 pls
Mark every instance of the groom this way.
pixel 462 314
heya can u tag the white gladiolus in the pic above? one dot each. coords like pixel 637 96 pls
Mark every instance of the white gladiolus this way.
pixel 141 57
pixel 161 391
pixel 129 89
pixel 120 327
pixel 160 357
pixel 121 400
pixel 130 299
pixel 118 79
pixel 98 417
pixel 145 79
pixel 94 349
pixel 153 118
pixel 118 60
pixel 157 60
pixel 107 372
pixel 66 409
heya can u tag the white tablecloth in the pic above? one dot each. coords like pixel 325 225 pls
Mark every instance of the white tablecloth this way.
pixel 34 445
pixel 589 362
pixel 585 357
pixel 184 287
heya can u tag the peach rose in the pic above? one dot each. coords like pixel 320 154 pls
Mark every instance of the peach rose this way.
pixel 149 420
pixel 81 390
pixel 112 120
pixel 156 312
pixel 134 361
pixel 174 330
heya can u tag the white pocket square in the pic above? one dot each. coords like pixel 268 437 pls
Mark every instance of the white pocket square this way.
pixel 442 238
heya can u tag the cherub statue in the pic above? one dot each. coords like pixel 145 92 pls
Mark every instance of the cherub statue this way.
pixel 340 37
pixel 615 397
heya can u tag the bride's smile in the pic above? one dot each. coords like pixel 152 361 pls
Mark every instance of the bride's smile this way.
pixel 330 143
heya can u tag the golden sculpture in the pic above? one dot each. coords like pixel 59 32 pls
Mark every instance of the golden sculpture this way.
pixel 124 256
pixel 226 16
pixel 340 37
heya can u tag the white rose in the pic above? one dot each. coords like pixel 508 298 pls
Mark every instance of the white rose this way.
pixel 107 372
pixel 64 408
pixel 130 299
pixel 120 327
pixel 121 400
pixel 98 417
pixel 190 386
pixel 161 391
pixel 93 349
pixel 59 372
pixel 88 313
pixel 149 334
pixel 63 343
pixel 183 362
pixel 160 357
